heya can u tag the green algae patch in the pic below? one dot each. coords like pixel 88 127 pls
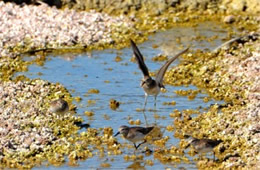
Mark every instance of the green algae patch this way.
pixel 9 66
pixel 204 70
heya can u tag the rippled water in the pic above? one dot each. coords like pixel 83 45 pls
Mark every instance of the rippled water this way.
pixel 81 72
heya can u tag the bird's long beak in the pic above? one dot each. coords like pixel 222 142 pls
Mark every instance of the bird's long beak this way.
pixel 116 134
pixel 187 146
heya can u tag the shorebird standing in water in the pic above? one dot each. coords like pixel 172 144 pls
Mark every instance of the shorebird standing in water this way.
pixel 134 134
pixel 151 86
pixel 203 145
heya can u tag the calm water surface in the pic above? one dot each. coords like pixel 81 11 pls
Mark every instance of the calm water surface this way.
pixel 81 72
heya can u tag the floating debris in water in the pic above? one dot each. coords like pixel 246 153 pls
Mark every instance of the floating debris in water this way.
pixel 93 91
pixel 114 104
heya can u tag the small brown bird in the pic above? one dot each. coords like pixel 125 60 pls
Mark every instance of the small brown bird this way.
pixel 59 106
pixel 203 145
pixel 151 86
pixel 134 134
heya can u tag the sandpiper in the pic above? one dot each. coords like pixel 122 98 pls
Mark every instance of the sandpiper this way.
pixel 151 86
pixel 59 106
pixel 203 145
pixel 134 134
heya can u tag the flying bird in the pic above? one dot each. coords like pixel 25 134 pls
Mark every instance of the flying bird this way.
pixel 152 87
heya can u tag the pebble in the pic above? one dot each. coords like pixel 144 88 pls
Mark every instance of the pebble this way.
pixel 229 19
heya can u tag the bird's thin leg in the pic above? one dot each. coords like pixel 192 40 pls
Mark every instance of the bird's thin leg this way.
pixel 146 123
pixel 145 100
pixel 155 115
pixel 155 102
pixel 140 144
pixel 136 146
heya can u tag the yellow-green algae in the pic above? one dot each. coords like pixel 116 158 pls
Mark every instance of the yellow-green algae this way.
pixel 209 72
pixel 113 104
pixel 9 66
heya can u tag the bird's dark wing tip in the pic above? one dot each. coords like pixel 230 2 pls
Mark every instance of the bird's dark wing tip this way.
pixel 149 129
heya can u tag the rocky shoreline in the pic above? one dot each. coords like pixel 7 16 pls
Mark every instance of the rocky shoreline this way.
pixel 42 27
pixel 28 128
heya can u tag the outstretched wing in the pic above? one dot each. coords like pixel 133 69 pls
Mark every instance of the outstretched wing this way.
pixel 140 59
pixel 161 72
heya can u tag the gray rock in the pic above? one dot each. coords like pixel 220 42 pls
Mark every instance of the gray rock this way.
pixel 229 19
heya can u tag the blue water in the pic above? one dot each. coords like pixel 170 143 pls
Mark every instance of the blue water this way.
pixel 124 79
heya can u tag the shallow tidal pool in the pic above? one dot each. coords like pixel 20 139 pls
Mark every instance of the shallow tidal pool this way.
pixel 120 80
